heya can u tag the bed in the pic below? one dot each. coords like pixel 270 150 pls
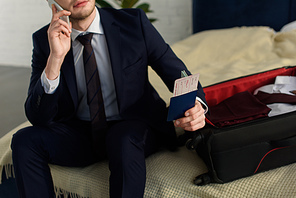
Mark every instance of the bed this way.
pixel 231 38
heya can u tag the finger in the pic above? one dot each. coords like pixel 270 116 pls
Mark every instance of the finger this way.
pixel 62 29
pixel 195 109
pixel 62 13
pixel 195 127
pixel 66 25
pixel 192 115
pixel 190 121
pixel 53 9
pixel 181 121
pixel 58 14
pixel 56 25
pixel 194 124
pixel 60 22
pixel 57 29
pixel 190 124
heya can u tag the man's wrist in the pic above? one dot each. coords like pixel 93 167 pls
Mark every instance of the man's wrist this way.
pixel 48 85
pixel 53 67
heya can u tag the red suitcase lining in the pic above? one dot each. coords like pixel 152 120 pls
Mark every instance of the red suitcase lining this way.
pixel 218 92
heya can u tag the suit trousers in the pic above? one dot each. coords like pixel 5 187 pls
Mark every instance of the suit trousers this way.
pixel 127 145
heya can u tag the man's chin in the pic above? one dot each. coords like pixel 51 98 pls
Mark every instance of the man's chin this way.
pixel 80 16
pixel 81 13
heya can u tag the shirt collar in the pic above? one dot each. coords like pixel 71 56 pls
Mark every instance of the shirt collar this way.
pixel 93 28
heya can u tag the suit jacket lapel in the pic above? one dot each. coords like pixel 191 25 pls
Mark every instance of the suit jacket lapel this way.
pixel 70 76
pixel 112 34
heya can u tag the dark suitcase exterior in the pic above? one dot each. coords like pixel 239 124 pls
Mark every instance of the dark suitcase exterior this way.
pixel 247 148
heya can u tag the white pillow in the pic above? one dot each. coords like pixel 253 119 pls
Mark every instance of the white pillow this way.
pixel 288 27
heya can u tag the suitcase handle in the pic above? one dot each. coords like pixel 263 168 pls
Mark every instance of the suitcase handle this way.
pixel 283 143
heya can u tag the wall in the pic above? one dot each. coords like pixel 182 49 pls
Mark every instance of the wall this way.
pixel 19 19
pixel 175 18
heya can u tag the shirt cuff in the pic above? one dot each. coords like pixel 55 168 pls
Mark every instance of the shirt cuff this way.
pixel 49 86
pixel 203 104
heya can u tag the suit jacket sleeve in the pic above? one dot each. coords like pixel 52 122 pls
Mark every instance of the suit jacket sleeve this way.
pixel 40 107
pixel 162 59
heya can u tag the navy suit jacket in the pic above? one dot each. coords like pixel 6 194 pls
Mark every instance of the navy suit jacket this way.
pixel 133 44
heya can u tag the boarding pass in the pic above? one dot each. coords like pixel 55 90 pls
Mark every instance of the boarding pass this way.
pixel 185 85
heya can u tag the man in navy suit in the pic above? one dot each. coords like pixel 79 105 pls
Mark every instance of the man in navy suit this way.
pixel 124 43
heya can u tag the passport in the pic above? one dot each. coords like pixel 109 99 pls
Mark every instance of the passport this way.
pixel 184 96
pixel 180 104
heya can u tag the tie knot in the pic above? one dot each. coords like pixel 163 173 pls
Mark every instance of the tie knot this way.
pixel 85 39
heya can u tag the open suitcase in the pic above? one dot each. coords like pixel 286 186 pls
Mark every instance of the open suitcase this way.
pixel 247 148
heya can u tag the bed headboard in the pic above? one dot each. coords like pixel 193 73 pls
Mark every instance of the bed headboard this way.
pixel 217 14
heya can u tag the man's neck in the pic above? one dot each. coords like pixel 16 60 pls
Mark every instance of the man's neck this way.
pixel 83 24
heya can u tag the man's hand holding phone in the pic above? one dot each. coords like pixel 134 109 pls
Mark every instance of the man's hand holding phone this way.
pixel 59 37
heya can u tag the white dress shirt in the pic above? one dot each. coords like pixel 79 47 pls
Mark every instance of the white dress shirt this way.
pixel 283 84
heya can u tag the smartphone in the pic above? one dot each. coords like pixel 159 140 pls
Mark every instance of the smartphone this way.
pixel 59 8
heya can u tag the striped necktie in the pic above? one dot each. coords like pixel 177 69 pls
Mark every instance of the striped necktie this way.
pixel 94 92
